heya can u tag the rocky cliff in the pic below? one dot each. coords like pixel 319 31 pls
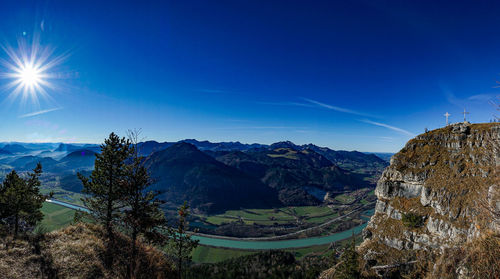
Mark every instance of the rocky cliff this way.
pixel 440 191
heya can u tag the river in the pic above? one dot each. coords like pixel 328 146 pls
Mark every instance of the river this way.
pixel 258 244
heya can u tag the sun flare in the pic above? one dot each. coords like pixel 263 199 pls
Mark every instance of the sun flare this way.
pixel 30 76
pixel 30 71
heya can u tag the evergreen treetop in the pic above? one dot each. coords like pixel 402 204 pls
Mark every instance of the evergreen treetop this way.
pixel 21 200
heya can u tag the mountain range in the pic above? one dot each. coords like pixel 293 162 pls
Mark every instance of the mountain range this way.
pixel 183 172
pixel 215 177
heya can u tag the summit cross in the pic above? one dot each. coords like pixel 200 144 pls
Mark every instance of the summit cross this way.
pixel 465 113
pixel 447 115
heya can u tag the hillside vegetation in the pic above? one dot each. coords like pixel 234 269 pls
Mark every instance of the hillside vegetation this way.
pixel 263 265
pixel 76 252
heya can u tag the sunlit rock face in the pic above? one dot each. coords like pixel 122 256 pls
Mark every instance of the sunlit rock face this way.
pixel 438 192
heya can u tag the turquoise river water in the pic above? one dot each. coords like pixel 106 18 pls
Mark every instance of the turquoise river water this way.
pixel 259 244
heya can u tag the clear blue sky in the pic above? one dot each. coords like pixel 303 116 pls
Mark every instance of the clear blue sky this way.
pixel 364 75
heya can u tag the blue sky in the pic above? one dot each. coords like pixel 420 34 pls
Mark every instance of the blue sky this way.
pixel 354 75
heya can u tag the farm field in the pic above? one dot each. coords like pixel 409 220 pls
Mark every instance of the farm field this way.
pixel 56 216
pixel 62 194
pixel 345 199
pixel 284 215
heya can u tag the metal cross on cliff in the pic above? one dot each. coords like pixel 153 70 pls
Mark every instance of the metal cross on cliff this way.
pixel 465 113
pixel 447 115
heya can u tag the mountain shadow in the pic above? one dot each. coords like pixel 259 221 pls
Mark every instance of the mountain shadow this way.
pixel 182 172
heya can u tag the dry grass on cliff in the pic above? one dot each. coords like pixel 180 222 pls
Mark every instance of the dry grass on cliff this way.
pixel 388 227
pixel 17 260
pixel 477 259
pixel 407 205
pixel 77 252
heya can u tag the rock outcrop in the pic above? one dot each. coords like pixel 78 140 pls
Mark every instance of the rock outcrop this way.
pixel 440 191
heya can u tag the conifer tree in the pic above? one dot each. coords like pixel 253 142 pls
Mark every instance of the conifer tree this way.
pixel 21 200
pixel 142 213
pixel 348 266
pixel 181 244
pixel 104 187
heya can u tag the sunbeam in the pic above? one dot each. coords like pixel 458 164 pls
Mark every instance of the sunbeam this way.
pixel 29 70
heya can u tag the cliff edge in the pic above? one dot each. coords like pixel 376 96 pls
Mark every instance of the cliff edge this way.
pixel 441 192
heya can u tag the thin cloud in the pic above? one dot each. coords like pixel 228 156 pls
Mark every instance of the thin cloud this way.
pixel 39 112
pixel 335 108
pixel 295 104
pixel 389 127
pixel 259 128
pixel 464 101
pixel 316 104
pixel 450 97
pixel 482 97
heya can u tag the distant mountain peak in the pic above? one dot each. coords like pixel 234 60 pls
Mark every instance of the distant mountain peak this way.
pixel 15 148
pixel 81 153
pixel 66 147
pixel 185 145
pixel 182 150
pixel 184 172
pixel 5 152
pixel 62 147
pixel 284 144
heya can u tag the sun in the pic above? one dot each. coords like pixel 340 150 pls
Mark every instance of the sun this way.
pixel 30 70
pixel 30 76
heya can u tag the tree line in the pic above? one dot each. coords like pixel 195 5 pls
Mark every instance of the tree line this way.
pixel 119 197
pixel 21 201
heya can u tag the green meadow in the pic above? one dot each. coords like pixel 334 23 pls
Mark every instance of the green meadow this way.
pixel 57 216
pixel 283 215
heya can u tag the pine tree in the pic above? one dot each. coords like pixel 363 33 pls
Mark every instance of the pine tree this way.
pixel 348 267
pixel 105 188
pixel 181 244
pixel 142 214
pixel 21 200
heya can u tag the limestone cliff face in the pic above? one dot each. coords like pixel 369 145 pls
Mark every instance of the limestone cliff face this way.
pixel 441 190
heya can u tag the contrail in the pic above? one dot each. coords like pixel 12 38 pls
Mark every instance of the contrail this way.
pixel 38 112
pixel 339 109
pixel 389 127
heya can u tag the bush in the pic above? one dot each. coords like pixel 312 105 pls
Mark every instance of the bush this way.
pixel 413 220
pixel 348 266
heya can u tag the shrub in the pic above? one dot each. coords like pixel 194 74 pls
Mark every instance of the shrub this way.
pixel 413 220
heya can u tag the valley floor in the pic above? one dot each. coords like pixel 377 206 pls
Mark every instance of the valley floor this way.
pixel 212 249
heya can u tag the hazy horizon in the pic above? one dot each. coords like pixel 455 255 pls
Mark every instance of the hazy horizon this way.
pixel 249 143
